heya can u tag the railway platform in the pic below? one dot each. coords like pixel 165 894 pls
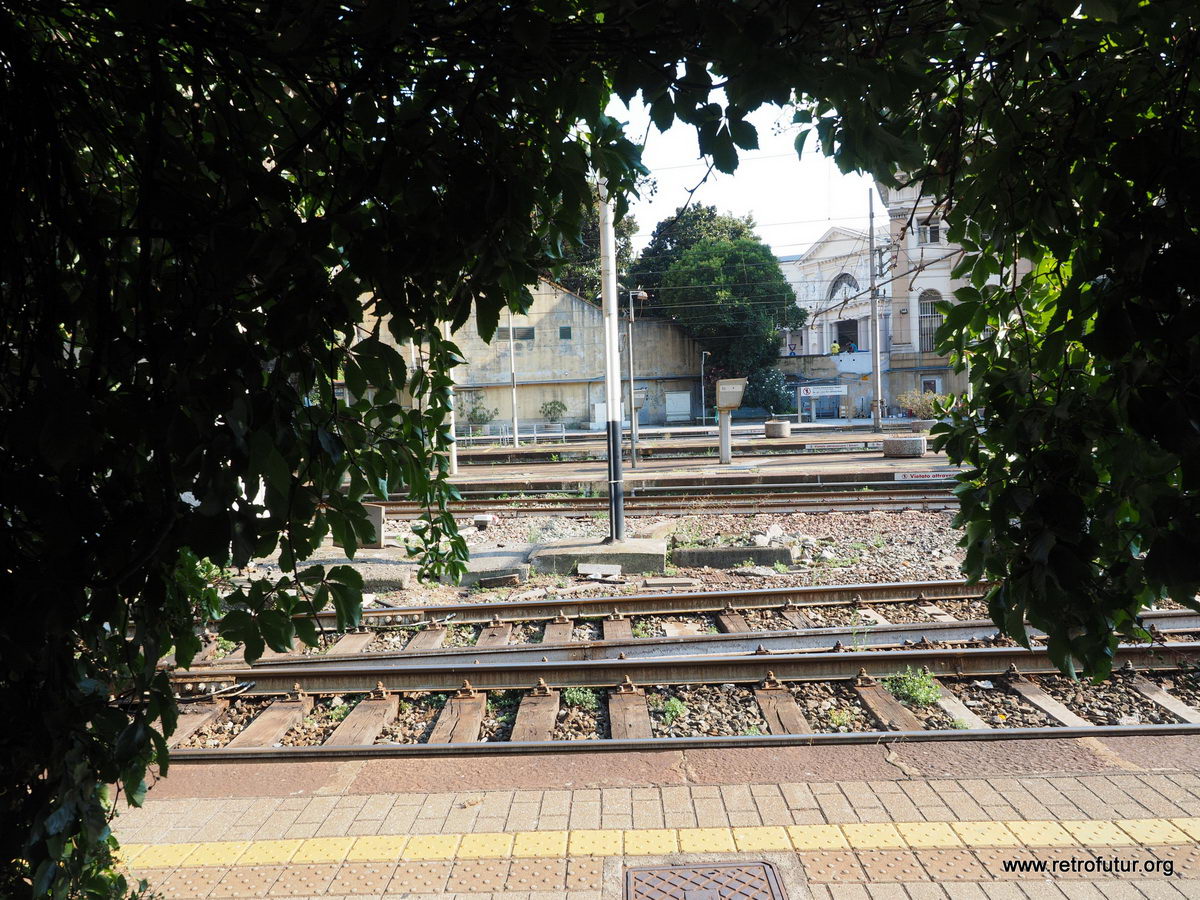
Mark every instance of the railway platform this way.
pixel 1080 818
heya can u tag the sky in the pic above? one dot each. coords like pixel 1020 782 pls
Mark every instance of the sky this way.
pixel 793 201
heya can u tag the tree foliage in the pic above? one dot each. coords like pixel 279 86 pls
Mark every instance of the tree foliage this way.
pixel 767 389
pixel 732 297
pixel 578 268
pixel 672 236
pixel 203 200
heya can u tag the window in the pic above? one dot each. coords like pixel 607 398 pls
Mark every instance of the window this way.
pixel 931 319
pixel 518 334
pixel 564 332
pixel 843 287
pixel 929 233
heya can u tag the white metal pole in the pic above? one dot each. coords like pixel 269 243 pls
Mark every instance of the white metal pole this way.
pixel 633 435
pixel 612 368
pixel 876 373
pixel 726 438
pixel 703 354
pixel 512 369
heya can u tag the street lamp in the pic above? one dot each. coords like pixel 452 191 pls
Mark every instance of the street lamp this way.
pixel 637 294
pixel 703 353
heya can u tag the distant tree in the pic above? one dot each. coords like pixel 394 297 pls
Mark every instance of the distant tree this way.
pixel 578 269
pixel 732 297
pixel 675 235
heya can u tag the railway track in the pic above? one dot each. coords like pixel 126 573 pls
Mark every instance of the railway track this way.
pixel 356 709
pixel 704 500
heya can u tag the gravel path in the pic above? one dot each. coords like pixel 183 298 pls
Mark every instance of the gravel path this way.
pixel 414 719
pixel 320 723
pixel 832 707
pixel 996 704
pixel 1112 702
pixel 582 715
pixel 501 715
pixel 703 710
pixel 228 725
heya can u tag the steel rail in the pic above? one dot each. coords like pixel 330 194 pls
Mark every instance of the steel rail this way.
pixel 400 675
pixel 762 486
pixel 549 607
pixel 490 748
pixel 860 637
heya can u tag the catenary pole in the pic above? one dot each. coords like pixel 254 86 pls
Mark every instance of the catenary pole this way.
pixel 612 373
pixel 876 375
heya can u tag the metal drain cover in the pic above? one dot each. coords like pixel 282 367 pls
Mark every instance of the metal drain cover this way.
pixel 719 881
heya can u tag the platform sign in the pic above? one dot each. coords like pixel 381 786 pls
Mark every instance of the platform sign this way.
pixel 924 476
pixel 729 392
pixel 823 390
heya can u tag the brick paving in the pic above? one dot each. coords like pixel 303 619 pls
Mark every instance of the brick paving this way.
pixel 909 838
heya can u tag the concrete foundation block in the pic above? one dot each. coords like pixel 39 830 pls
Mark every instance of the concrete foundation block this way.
pixel 729 557
pixel 905 447
pixel 778 429
pixel 635 555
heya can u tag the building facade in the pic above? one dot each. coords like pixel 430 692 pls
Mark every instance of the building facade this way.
pixel 558 354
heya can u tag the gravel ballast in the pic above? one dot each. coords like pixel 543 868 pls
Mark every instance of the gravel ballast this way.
pixel 703 711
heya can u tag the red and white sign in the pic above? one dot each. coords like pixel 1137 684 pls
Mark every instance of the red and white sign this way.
pixel 924 476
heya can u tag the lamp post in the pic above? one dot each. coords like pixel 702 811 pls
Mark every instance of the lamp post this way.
pixel 638 294
pixel 612 368
pixel 703 354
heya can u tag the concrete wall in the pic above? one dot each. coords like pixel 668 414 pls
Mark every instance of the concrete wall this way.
pixel 555 365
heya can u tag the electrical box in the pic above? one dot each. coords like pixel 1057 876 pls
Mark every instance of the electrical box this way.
pixel 639 398
pixel 729 392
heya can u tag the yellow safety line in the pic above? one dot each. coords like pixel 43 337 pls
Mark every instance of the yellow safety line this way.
pixel 657 841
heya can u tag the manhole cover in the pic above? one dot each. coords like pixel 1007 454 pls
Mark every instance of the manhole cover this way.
pixel 733 881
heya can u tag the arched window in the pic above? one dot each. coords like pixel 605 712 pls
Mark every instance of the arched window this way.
pixel 931 319
pixel 842 288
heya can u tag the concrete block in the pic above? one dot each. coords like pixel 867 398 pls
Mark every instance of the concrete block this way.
pixel 632 555
pixel 598 569
pixel 497 562
pixel 904 447
pixel 778 429
pixel 729 557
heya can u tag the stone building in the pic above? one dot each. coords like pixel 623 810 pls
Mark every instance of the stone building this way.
pixel 559 355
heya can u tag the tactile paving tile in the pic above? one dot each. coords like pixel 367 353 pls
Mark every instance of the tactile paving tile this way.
pixel 1098 834
pixel 217 853
pixel 761 838
pixel 817 837
pixel 323 850
pixel 585 874
pixel 891 865
pixel 370 878
pixel 928 834
pixel 701 840
pixel 985 834
pixel 651 842
pixel 183 884
pixel 534 844
pixel 482 876
pixel 595 842
pixel 1079 854
pixel 419 878
pixel 993 859
pixel 431 846
pixel 873 836
pixel 269 853
pixel 378 847
pixel 304 881
pixel 485 845
pixel 953 865
pixel 537 875
pixel 1189 826
pixel 247 881
pixel 1186 858
pixel 1152 831
pixel 828 866
pixel 1041 834
pixel 164 856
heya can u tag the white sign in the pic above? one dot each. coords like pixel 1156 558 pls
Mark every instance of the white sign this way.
pixel 924 476
pixel 824 390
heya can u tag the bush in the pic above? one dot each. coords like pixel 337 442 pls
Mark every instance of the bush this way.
pixel 481 415
pixel 767 389
pixel 922 406
pixel 552 410
pixel 584 698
